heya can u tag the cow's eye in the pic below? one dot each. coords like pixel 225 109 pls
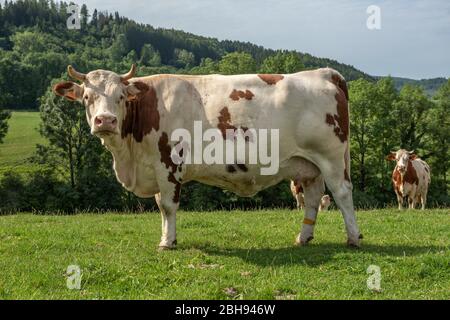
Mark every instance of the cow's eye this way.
pixel 86 98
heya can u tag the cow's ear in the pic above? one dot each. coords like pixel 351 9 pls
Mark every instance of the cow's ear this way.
pixel 69 90
pixel 412 156
pixel 391 156
pixel 136 89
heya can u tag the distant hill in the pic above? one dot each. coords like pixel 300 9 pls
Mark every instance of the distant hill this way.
pixel 429 85
pixel 36 46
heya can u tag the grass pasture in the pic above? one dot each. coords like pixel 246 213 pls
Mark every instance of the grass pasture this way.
pixel 20 141
pixel 225 255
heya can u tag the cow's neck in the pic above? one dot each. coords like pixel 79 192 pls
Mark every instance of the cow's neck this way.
pixel 124 165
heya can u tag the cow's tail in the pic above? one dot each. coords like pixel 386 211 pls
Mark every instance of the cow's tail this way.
pixel 347 147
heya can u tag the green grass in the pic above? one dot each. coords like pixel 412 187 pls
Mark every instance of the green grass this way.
pixel 252 252
pixel 20 141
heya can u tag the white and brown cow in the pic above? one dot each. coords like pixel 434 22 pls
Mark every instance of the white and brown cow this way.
pixel 410 178
pixel 325 203
pixel 135 117
pixel 297 192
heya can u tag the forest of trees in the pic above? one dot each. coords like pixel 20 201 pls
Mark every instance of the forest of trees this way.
pixel 36 46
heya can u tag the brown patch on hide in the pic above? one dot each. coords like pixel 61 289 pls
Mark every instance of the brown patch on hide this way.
pixel 298 187
pixel 141 113
pixel 165 151
pixel 225 124
pixel 239 94
pixel 411 175
pixel 340 120
pixel 397 181
pixel 232 168
pixel 340 83
pixel 271 79
pixel 242 167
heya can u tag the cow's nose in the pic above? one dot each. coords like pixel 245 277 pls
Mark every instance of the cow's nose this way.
pixel 402 168
pixel 105 122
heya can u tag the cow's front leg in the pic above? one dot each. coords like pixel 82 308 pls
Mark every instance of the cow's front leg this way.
pixel 169 177
pixel 411 202
pixel 168 207
pixel 400 202
pixel 168 224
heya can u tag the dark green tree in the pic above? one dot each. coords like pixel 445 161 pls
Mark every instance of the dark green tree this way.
pixel 71 147
pixel 84 13
pixel 149 56
pixel 4 116
pixel 282 62
pixel 237 63
pixel 411 108
pixel 119 48
pixel 438 138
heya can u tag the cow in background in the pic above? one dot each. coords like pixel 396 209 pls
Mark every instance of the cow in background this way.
pixel 410 178
pixel 297 192
pixel 325 202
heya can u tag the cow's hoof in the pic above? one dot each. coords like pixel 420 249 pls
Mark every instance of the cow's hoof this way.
pixel 353 243
pixel 302 242
pixel 164 245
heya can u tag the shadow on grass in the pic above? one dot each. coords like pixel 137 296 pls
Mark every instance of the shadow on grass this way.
pixel 313 255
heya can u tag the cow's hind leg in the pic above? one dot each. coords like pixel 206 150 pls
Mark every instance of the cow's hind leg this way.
pixel 423 200
pixel 313 191
pixel 341 188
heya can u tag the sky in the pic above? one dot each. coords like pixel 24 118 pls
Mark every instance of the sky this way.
pixel 413 40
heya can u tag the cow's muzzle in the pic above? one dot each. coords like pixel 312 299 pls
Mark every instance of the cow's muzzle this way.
pixel 105 125
pixel 402 169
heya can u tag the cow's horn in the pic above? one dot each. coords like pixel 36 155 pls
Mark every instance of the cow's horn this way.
pixel 130 74
pixel 411 152
pixel 75 74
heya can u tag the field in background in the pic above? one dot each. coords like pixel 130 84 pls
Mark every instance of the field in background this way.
pixel 225 255
pixel 20 141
